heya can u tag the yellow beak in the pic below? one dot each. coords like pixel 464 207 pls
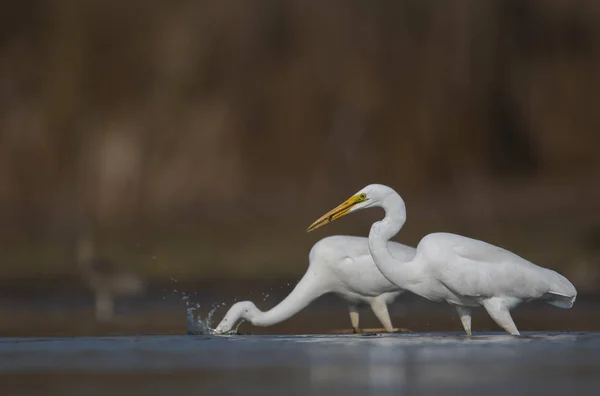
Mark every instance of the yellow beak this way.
pixel 337 212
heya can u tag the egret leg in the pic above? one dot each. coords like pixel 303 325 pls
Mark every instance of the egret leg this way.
pixel 379 307
pixel 104 306
pixel 354 318
pixel 465 317
pixel 499 311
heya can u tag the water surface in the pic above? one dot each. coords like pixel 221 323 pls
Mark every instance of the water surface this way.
pixel 381 364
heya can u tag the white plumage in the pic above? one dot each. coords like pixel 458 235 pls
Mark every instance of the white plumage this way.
pixel 447 267
pixel 341 265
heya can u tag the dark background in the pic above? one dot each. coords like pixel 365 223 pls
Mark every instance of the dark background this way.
pixel 196 140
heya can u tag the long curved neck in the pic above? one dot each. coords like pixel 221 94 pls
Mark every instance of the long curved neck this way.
pixel 396 271
pixel 310 287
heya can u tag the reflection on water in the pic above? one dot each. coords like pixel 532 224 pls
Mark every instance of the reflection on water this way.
pixel 447 363
pixel 494 363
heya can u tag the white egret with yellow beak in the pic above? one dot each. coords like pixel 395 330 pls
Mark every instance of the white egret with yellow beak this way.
pixel 341 265
pixel 447 267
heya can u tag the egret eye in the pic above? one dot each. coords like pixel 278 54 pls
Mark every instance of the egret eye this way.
pixel 363 196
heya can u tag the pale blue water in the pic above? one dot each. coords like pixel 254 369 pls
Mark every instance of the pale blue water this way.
pixel 388 364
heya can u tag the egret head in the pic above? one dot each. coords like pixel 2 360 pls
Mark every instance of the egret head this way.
pixel 238 311
pixel 371 195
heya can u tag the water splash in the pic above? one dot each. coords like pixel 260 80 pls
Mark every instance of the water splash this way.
pixel 195 324
pixel 198 326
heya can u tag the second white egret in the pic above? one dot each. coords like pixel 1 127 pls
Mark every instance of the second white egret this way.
pixel 447 267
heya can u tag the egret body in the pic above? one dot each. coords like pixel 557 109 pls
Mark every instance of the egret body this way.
pixel 341 265
pixel 447 267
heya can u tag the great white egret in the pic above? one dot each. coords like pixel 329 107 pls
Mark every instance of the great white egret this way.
pixel 341 265
pixel 105 279
pixel 447 267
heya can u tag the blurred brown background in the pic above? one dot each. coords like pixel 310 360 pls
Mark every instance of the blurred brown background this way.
pixel 198 139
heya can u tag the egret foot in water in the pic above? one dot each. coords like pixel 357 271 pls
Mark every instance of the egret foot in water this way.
pixel 465 317
pixel 382 330
pixel 498 309
pixel 354 318
pixel 370 334
pixel 379 307
pixel 371 330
